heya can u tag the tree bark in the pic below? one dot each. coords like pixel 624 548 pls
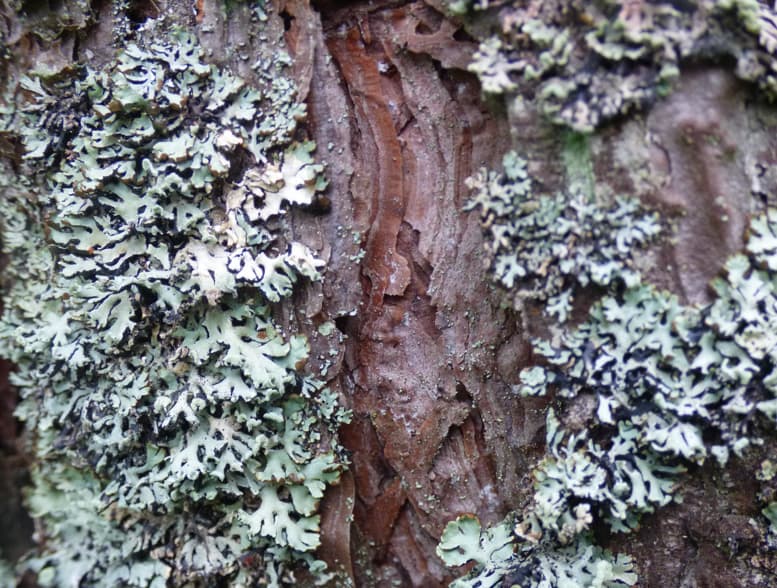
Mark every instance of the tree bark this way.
pixel 428 348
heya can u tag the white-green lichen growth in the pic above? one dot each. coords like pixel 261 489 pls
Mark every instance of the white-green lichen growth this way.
pixel 770 512
pixel 768 471
pixel 543 247
pixel 588 62
pixel 538 565
pixel 7 576
pixel 177 440
pixel 655 386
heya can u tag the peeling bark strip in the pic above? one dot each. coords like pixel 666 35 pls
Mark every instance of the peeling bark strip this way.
pixel 411 131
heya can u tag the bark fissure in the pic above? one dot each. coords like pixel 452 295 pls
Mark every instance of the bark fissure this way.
pixel 413 137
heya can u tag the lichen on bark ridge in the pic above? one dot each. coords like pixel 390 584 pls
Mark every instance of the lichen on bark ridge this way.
pixel 666 385
pixel 586 63
pixel 429 365
pixel 178 438
pixel 647 385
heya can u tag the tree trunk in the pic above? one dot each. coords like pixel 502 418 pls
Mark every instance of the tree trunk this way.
pixel 427 347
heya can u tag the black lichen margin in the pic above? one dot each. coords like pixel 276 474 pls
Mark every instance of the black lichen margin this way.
pixel 585 63
pixel 665 385
pixel 177 440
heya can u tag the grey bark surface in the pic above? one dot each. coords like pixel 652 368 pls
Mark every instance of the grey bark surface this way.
pixel 428 348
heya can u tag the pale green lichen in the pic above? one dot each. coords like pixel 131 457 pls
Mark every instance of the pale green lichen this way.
pixel 588 62
pixel 653 385
pixel 540 565
pixel 663 376
pixel 542 246
pixel 7 576
pixel 464 540
pixel 768 471
pixel 177 440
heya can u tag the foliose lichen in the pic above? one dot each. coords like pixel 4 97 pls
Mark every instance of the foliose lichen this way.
pixel 178 440
pixel 588 62
pixel 39 20
pixel 542 246
pixel 7 576
pixel 667 385
pixel 544 564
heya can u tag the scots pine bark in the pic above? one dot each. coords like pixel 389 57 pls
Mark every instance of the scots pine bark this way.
pixel 407 324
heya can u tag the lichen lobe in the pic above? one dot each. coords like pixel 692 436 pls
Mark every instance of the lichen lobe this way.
pixel 147 262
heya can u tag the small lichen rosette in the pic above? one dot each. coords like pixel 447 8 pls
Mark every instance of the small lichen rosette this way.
pixel 502 562
pixel 179 442
pixel 586 63
pixel 541 247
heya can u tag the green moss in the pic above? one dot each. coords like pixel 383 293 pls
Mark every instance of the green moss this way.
pixel 770 512
pixel 576 155
pixel 177 439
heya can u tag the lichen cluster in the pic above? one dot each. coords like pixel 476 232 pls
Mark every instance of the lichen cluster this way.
pixel 542 247
pixel 644 387
pixel 499 561
pixel 7 576
pixel 588 62
pixel 178 440
pixel 39 20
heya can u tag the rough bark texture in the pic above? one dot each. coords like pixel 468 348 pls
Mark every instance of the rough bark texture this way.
pixel 421 346
pixel 428 347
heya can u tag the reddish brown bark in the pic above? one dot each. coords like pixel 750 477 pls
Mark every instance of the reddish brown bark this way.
pixel 432 347
pixel 405 133
pixel 427 349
